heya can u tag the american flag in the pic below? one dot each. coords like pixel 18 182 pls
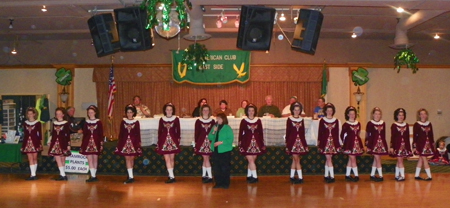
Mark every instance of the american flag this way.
pixel 112 90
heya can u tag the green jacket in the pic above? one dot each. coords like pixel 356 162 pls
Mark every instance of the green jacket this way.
pixel 226 136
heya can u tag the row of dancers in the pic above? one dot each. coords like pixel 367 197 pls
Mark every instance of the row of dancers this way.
pixel 250 141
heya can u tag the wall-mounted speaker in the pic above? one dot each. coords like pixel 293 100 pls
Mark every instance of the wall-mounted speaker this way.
pixel 131 23
pixel 255 28
pixel 104 34
pixel 307 31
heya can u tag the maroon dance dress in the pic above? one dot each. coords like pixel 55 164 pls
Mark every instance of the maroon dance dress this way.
pixel 376 138
pixel 295 137
pixel 60 138
pixel 92 143
pixel 352 144
pixel 251 137
pixel 168 136
pixel 423 139
pixel 129 143
pixel 202 129
pixel 440 156
pixel 400 140
pixel 32 139
pixel 328 136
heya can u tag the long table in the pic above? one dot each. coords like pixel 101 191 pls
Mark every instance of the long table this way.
pixel 10 153
pixel 274 130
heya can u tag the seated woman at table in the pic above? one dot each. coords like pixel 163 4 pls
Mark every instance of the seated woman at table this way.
pixel 202 147
pixel 251 141
pixel 241 111
pixel 197 111
pixel 129 144
pixel 92 144
pixel 60 142
pixel 169 138
pixel 223 108
pixel 32 140
pixel 295 141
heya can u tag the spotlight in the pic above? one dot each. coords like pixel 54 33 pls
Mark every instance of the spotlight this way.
pixel 295 20
pixel 354 35
pixel 14 52
pixel 219 22
pixel 236 23
pixel 44 9
pixel 11 23
pixel 223 18
pixel 282 17
pixel 436 36
pixel 400 10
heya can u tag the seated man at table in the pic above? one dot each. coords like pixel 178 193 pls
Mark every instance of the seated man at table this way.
pixel 318 110
pixel 269 109
pixel 142 110
pixel 223 108
pixel 287 110
pixel 76 127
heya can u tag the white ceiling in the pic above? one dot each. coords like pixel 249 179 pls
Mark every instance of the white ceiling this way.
pixel 67 19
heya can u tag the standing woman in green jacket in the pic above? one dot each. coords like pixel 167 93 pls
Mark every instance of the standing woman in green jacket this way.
pixel 221 137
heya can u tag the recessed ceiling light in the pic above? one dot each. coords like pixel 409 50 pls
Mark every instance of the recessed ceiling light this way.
pixel 44 9
pixel 437 36
pixel 14 52
pixel 282 17
pixel 354 35
pixel 400 10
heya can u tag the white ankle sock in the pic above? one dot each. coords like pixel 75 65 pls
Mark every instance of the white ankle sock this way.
pixel 355 171
pixel 372 173
pixel 61 171
pixel 171 175
pixel 93 171
pixel 33 170
pixel 130 172
pixel 254 174
pixel 402 172
pixel 428 171
pixel 203 171
pixel 292 173
pixel 417 172
pixel 300 175
pixel 349 170
pixel 326 171
pixel 209 172
pixel 380 172
pixel 331 170
pixel 397 171
pixel 249 173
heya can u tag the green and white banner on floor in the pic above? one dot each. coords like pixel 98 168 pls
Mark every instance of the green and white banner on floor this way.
pixel 76 163
pixel 222 67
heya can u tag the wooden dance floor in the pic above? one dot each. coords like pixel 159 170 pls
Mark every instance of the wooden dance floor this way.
pixel 271 191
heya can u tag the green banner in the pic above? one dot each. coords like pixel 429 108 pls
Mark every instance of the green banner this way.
pixel 222 67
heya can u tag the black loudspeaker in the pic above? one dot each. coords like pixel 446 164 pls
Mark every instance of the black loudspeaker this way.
pixel 255 28
pixel 307 31
pixel 104 34
pixel 131 23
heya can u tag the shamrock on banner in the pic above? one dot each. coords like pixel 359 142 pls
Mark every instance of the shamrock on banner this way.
pixel 63 76
pixel 360 76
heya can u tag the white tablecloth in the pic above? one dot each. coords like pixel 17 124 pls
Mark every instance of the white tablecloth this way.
pixel 274 130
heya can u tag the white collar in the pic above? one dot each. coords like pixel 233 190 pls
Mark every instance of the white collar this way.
pixel 329 120
pixel 400 124
pixel 352 123
pixel 205 120
pixel 165 118
pixel 60 122
pixel 426 123
pixel 296 119
pixel 255 119
pixel 128 121
pixel 92 121
pixel 445 149
pixel 377 122
pixel 31 123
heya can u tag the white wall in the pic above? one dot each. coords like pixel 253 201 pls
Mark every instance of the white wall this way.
pixel 42 81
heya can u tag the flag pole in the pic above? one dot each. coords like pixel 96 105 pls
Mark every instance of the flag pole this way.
pixel 110 119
